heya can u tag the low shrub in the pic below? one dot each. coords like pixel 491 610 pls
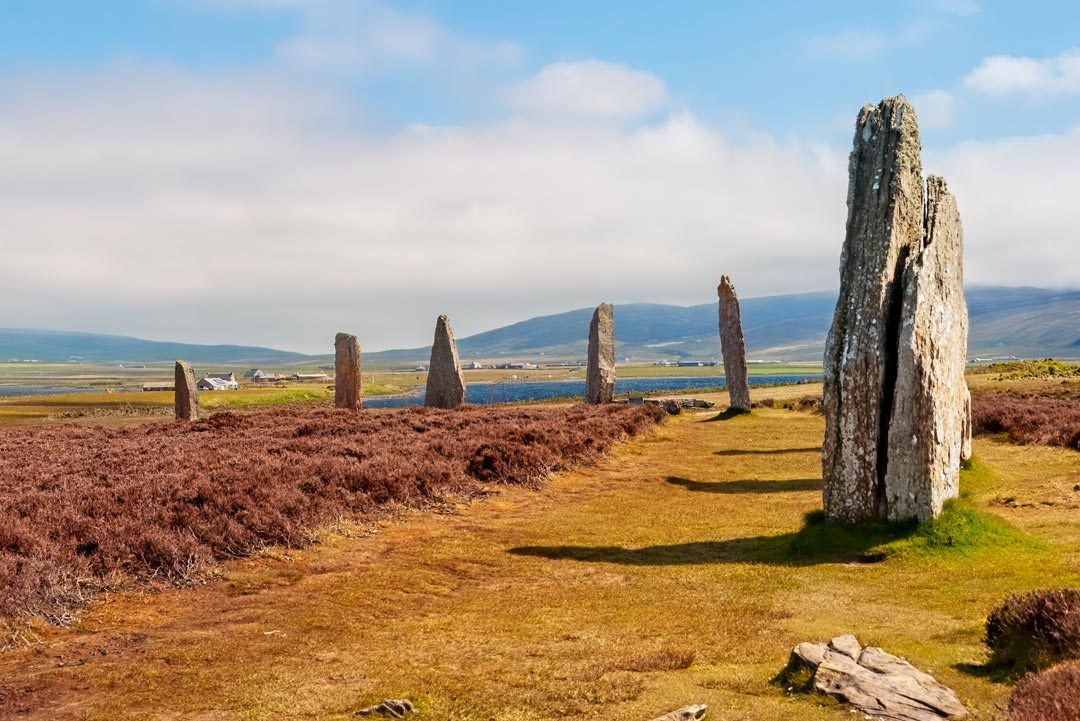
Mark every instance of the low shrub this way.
pixel 1052 695
pixel 1035 630
pixel 83 508
pixel 1045 420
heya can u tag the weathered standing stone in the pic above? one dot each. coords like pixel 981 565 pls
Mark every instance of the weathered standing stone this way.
pixel 347 381
pixel 885 220
pixel 185 393
pixel 733 347
pixel 926 431
pixel 895 399
pixel 600 374
pixel 445 384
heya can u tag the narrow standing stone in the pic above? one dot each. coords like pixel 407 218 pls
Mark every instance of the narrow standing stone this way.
pixel 733 347
pixel 965 445
pixel 445 384
pixel 347 381
pixel 600 374
pixel 885 220
pixel 926 430
pixel 185 393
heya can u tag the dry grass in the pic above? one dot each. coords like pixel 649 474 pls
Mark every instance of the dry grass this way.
pixel 536 605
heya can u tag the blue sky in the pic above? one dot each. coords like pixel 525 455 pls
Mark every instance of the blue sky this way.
pixel 506 145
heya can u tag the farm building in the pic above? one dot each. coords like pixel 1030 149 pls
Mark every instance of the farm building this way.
pixel 216 384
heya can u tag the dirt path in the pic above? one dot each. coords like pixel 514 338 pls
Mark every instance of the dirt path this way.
pixel 619 591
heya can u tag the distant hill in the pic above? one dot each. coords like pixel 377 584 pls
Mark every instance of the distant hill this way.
pixel 58 346
pixel 1026 322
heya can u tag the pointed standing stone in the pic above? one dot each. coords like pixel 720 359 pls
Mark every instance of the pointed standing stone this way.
pixel 600 373
pixel 445 384
pixel 733 347
pixel 185 393
pixel 347 381
pixel 926 430
pixel 885 220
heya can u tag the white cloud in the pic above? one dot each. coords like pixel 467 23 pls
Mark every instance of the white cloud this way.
pixel 589 87
pixel 936 108
pixel 1006 75
pixel 159 204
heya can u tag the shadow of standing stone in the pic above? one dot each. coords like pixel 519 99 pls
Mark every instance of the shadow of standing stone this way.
pixel 185 393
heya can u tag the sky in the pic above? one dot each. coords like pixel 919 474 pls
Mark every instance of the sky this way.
pixel 271 172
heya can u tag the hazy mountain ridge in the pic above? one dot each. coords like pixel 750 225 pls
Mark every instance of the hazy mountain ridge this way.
pixel 59 346
pixel 1027 322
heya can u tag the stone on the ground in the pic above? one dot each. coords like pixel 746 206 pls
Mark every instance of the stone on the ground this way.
pixel 733 347
pixel 885 219
pixel 394 708
pixel 600 372
pixel 847 645
pixel 347 382
pixel 185 393
pixel 895 397
pixel 927 425
pixel 686 713
pixel 445 384
pixel 874 682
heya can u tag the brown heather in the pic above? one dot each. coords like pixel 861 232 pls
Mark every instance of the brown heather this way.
pixel 1035 630
pixel 1028 418
pixel 1052 695
pixel 86 508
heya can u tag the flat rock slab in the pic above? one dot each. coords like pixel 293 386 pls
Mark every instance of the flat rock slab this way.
pixel 686 713
pixel 877 683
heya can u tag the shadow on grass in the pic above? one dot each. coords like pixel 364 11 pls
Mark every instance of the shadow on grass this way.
pixel 726 415
pixel 816 543
pixel 770 452
pixel 959 533
pixel 788 486
pixel 990 672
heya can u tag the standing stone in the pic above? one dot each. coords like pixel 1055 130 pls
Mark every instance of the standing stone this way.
pixel 926 431
pixel 347 381
pixel 896 404
pixel 733 347
pixel 445 384
pixel 600 374
pixel 185 393
pixel 885 220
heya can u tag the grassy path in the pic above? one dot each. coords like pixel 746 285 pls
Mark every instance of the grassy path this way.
pixel 620 591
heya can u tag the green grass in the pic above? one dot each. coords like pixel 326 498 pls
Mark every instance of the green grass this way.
pixel 1017 370
pixel 962 530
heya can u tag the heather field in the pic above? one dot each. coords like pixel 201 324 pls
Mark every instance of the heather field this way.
pixel 89 508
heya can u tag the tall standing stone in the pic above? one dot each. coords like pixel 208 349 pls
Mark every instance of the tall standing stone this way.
pixel 185 393
pixel 600 373
pixel 885 220
pixel 445 384
pixel 965 447
pixel 733 347
pixel 896 403
pixel 926 430
pixel 347 382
